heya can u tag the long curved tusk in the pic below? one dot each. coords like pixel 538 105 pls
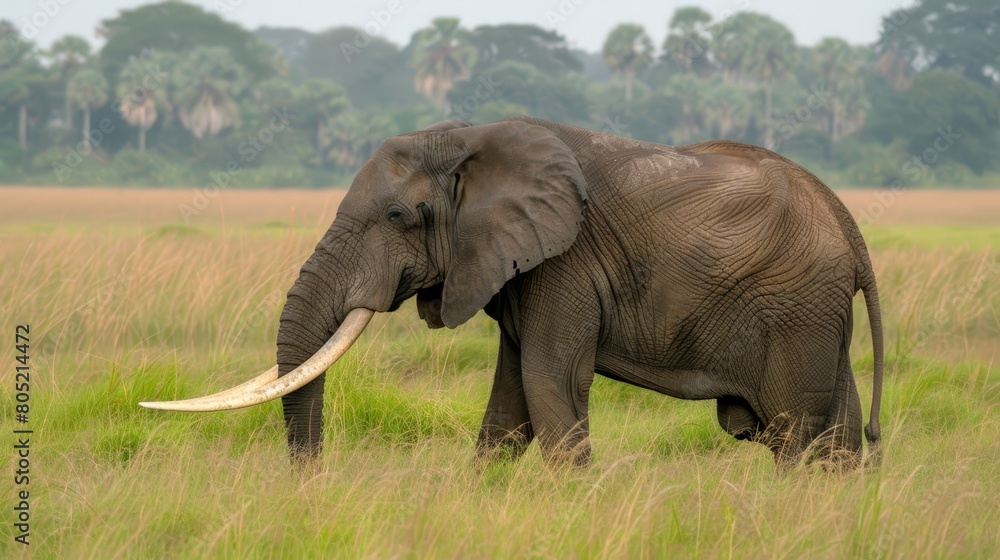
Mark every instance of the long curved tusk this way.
pixel 259 381
pixel 261 389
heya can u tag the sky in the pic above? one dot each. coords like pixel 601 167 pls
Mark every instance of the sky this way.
pixel 585 23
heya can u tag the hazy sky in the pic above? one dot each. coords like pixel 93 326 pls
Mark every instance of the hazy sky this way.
pixel 584 22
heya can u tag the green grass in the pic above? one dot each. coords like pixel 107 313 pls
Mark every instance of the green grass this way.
pixel 925 237
pixel 198 314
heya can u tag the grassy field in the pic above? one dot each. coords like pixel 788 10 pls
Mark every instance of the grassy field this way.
pixel 129 301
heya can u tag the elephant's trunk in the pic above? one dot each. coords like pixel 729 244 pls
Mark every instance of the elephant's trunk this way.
pixel 314 309
pixel 303 406
pixel 316 329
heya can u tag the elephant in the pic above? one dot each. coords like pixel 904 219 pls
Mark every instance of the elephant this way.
pixel 716 270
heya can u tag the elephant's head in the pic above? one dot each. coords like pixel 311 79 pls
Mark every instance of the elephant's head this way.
pixel 451 212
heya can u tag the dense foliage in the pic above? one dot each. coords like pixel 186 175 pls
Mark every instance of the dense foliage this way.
pixel 179 96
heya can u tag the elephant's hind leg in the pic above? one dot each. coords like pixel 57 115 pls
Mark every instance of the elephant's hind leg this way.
pixel 795 395
pixel 841 440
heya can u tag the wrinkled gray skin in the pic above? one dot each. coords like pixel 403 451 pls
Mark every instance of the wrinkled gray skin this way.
pixel 716 270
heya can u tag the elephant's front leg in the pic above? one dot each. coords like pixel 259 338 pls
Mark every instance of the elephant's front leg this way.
pixel 506 430
pixel 557 363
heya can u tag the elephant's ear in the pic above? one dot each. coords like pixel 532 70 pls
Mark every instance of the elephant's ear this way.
pixel 519 199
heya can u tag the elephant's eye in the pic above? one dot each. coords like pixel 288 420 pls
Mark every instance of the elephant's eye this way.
pixel 394 216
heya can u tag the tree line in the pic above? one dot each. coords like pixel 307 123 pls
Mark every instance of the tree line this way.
pixel 177 92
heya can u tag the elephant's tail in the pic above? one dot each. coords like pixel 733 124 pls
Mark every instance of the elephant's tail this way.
pixel 870 290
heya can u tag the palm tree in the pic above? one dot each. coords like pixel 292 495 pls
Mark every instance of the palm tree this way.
pixel 628 51
pixel 352 138
pixel 730 45
pixel 69 54
pixel 854 101
pixel 15 89
pixel 726 109
pixel 443 56
pixel 208 80
pixel 22 80
pixel 838 65
pixel 317 101
pixel 754 48
pixel 896 53
pixel 690 90
pixel 274 93
pixel 88 90
pixel 141 90
pixel 772 61
pixel 687 39
pixel 896 67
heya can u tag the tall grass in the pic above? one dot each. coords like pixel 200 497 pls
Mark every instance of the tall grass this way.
pixel 126 314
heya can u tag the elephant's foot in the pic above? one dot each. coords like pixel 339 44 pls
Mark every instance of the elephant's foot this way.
pixel 839 447
pixel 499 444
pixel 803 440
pixel 789 437
pixel 573 450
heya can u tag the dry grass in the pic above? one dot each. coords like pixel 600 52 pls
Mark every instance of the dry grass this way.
pixel 161 309
pixel 923 207
pixel 90 205
pixel 308 207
